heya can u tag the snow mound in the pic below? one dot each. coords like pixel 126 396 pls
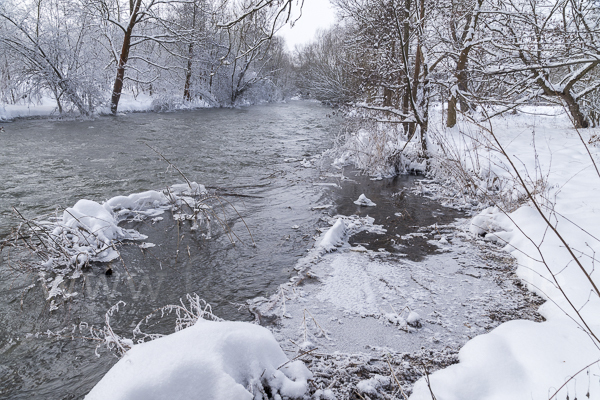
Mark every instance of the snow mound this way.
pixel 334 237
pixel 364 201
pixel 149 204
pixel 371 386
pixel 208 361
pixel 88 231
pixel 92 229
pixel 485 222
pixel 514 361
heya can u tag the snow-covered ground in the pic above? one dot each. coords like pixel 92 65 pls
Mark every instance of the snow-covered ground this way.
pixel 46 107
pixel 557 358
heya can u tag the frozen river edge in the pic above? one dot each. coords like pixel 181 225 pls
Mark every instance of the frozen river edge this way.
pixel 372 322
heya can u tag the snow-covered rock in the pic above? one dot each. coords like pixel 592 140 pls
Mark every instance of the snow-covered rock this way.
pixel 208 361
pixel 485 222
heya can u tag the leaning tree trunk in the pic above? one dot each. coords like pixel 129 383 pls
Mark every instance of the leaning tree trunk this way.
pixel 118 86
pixel 579 119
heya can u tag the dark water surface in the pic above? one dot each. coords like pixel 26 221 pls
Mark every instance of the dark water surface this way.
pixel 251 156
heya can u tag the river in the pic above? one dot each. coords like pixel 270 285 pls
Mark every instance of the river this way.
pixel 265 160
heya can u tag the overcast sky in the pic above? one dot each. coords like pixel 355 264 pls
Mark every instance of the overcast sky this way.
pixel 316 14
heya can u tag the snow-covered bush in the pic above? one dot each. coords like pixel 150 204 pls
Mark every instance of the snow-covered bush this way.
pixel 378 148
pixel 89 232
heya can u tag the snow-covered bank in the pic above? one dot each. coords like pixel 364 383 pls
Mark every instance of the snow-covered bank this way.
pixel 522 359
pixel 46 107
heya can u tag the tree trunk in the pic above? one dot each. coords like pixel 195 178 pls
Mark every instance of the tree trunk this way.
pixel 188 72
pixel 188 77
pixel 406 49
pixel 415 88
pixel 118 86
pixel 451 116
pixel 579 119
pixel 461 87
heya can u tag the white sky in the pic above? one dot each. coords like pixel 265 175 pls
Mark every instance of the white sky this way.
pixel 316 14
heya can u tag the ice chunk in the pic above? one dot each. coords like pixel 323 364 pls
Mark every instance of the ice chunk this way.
pixel 191 189
pixel 364 201
pixel 138 201
pixel 413 319
pixel 334 237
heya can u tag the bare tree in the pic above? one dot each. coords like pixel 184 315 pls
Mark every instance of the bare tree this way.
pixel 463 25
pixel 548 51
pixel 324 67
pixel 49 37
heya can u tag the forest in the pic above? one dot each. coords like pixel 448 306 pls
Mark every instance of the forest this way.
pixel 392 59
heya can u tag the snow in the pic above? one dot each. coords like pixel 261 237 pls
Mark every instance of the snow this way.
pixel 370 386
pixel 305 163
pixel 517 360
pixel 94 229
pixel 209 360
pixel 361 300
pixel 46 106
pixel 326 394
pixel 91 228
pixel 364 201
pixel 523 359
pixel 334 236
pixel 149 203
pixel 89 231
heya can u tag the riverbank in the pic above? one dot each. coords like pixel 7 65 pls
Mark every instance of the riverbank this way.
pixel 533 159
pixel 47 108
pixel 551 229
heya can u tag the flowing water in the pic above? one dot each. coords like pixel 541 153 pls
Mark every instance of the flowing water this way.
pixel 251 156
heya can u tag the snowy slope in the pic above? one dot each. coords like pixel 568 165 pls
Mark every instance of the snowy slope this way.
pixel 522 359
